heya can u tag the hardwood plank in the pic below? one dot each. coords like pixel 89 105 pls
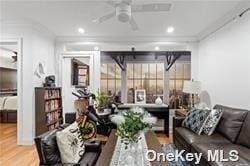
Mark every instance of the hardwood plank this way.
pixel 12 154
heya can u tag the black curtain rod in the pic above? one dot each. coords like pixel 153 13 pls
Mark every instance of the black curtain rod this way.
pixel 244 12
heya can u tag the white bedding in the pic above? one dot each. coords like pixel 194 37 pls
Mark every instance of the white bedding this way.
pixel 2 101
pixel 10 103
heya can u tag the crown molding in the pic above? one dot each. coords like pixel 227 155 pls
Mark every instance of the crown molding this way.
pixel 29 24
pixel 126 39
pixel 224 20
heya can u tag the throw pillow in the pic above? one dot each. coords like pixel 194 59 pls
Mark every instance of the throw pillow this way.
pixel 195 119
pixel 212 121
pixel 69 145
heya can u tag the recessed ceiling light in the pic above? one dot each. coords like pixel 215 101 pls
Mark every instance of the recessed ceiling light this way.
pixel 96 48
pixel 81 30
pixel 170 29
pixel 157 48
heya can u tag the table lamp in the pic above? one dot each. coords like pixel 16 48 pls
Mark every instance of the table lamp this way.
pixel 193 88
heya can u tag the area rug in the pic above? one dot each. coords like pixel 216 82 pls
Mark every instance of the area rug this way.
pixel 170 148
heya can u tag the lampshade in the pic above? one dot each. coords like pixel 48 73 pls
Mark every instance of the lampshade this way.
pixel 192 87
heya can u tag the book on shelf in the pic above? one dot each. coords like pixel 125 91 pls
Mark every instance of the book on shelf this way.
pixel 52 105
pixel 49 111
pixel 50 94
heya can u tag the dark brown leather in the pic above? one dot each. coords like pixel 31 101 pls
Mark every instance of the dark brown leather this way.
pixel 177 121
pixel 244 136
pixel 220 140
pixel 93 146
pixel 186 138
pixel 231 122
pixel 47 149
pixel 244 153
pixel 70 117
pixel 89 159
pixel 49 153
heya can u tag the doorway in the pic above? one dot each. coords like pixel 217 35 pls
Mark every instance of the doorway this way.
pixel 10 89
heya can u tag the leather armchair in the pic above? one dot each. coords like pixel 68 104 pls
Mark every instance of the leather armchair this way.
pixel 49 154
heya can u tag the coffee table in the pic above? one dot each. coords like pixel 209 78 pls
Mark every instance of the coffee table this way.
pixel 107 152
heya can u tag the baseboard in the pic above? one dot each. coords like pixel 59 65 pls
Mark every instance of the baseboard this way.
pixel 26 142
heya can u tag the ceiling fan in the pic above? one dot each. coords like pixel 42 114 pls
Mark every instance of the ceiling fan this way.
pixel 124 9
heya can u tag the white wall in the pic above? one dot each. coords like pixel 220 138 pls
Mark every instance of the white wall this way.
pixel 37 45
pixel 94 66
pixel 224 64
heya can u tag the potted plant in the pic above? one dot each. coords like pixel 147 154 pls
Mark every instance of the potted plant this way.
pixel 102 102
pixel 131 126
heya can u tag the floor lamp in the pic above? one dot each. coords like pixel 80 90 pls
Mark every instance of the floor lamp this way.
pixel 193 88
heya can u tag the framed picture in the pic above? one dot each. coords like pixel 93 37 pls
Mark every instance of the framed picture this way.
pixel 140 96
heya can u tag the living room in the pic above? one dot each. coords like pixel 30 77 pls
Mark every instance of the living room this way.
pixel 167 60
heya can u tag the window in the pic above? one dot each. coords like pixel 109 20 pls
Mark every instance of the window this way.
pixel 111 79
pixel 177 74
pixel 148 76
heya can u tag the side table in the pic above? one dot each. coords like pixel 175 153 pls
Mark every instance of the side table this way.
pixel 181 112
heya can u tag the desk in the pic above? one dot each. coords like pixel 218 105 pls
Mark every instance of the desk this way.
pixel 159 111
pixel 181 112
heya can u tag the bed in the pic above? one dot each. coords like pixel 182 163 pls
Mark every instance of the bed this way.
pixel 8 109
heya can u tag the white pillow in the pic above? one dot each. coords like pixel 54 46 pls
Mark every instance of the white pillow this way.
pixel 212 121
pixel 69 145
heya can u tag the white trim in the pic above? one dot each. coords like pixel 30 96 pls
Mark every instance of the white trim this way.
pixel 19 42
pixel 226 19
pixel 126 39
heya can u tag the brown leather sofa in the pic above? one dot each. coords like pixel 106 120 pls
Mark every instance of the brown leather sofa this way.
pixel 232 133
pixel 49 154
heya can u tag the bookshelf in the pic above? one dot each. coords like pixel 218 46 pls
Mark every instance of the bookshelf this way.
pixel 49 112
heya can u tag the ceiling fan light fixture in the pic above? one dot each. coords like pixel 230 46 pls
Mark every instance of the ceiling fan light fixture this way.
pixel 170 29
pixel 157 48
pixel 81 30
pixel 123 12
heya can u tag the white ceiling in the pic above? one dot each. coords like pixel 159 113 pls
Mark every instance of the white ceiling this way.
pixel 63 18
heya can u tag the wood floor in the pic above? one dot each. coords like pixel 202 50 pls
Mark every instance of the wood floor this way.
pixel 10 153
pixel 13 155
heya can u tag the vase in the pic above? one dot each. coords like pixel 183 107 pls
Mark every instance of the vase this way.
pixel 158 101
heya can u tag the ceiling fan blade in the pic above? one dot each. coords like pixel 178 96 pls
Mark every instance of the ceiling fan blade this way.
pixel 133 24
pixel 111 3
pixel 104 18
pixel 127 1
pixel 157 7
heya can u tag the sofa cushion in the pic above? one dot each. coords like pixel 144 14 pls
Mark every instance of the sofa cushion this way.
pixel 195 120
pixel 89 158
pixel 243 152
pixel 230 122
pixel 187 138
pixel 244 137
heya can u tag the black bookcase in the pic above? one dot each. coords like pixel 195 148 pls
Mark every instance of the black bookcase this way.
pixel 49 111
